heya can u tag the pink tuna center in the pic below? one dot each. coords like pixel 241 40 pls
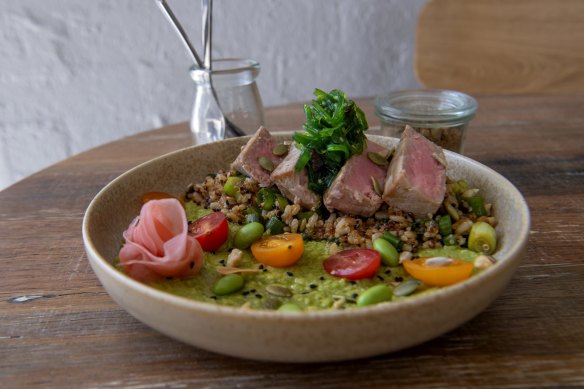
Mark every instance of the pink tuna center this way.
pixel 424 170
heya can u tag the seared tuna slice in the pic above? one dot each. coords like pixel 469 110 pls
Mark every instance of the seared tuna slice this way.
pixel 247 162
pixel 293 184
pixel 416 179
pixel 352 190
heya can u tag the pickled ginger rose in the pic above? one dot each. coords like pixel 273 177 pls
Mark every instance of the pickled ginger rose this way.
pixel 157 243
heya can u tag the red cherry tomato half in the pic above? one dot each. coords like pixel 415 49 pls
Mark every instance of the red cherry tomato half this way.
pixel 353 264
pixel 211 230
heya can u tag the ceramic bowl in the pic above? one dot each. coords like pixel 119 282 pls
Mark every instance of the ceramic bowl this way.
pixel 330 335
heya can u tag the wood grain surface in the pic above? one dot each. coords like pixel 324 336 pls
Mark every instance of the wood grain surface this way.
pixel 493 46
pixel 59 328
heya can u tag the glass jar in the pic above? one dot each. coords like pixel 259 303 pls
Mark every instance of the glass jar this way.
pixel 234 81
pixel 440 115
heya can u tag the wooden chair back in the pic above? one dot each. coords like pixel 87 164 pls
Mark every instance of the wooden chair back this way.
pixel 501 46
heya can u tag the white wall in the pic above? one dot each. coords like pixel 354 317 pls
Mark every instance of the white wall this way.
pixel 76 74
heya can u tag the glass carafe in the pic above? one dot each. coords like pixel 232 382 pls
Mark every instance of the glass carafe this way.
pixel 234 81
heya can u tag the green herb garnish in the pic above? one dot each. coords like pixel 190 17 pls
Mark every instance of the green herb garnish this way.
pixel 334 131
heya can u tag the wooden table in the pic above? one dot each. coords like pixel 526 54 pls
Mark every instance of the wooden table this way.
pixel 59 328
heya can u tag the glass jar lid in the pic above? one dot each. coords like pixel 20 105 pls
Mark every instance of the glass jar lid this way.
pixel 426 106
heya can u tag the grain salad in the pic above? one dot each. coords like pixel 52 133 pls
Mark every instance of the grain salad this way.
pixel 339 229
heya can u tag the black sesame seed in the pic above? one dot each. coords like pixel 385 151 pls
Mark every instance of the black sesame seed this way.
pixel 312 286
pixel 258 295
pixel 289 274
pixel 222 262
pixel 214 297
pixel 252 291
pixel 264 270
pixel 388 271
pixel 192 264
pixel 380 278
pixel 321 278
pixel 398 279
pixel 352 282
pixel 245 293
pixel 261 267
pixel 354 295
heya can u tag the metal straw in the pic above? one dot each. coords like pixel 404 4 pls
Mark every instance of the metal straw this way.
pixel 163 5
pixel 230 128
pixel 207 6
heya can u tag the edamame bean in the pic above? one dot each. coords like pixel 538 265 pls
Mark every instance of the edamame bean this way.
pixel 248 234
pixel 374 295
pixel 229 284
pixel 289 307
pixel 389 255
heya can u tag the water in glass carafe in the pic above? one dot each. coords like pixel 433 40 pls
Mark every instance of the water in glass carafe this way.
pixel 238 95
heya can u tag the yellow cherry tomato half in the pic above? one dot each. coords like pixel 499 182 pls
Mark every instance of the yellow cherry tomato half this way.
pixel 278 250
pixel 443 274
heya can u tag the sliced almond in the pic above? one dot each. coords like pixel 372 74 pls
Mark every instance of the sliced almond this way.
pixel 235 270
pixel 484 261
pixel 440 159
pixel 438 261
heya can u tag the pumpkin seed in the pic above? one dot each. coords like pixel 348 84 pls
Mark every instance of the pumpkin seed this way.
pixel 272 303
pixel 278 290
pixel 280 149
pixel 377 159
pixel 266 163
pixel 406 288
pixel 374 295
pixel 376 186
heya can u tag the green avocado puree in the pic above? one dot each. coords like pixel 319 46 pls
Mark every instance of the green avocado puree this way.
pixel 311 286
